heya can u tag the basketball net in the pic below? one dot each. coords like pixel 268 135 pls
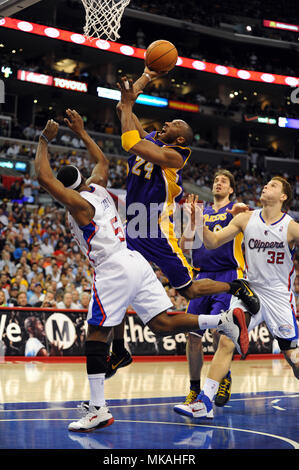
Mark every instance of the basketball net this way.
pixel 103 18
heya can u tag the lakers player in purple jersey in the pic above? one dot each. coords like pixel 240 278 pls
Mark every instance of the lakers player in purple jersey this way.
pixel 154 187
pixel 226 264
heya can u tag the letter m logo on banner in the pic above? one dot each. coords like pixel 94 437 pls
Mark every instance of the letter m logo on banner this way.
pixel 2 92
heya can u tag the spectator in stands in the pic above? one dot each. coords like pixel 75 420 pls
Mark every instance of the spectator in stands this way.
pixel 6 261
pixel 21 247
pixel 29 132
pixel 22 299
pixel 84 299
pixel 53 270
pixel 16 190
pixel 27 186
pixel 3 217
pixel 13 293
pixel 34 255
pixel 22 264
pixel 13 150
pixel 46 247
pixel 38 296
pixel 67 302
pixel 49 300
pixel 34 270
pixel 3 302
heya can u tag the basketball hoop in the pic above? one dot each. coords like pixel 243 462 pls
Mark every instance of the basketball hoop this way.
pixel 103 18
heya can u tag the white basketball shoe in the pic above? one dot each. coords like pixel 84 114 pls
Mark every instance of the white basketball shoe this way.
pixel 233 325
pixel 93 418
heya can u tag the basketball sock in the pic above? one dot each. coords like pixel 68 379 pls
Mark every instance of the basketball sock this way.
pixel 96 365
pixel 210 388
pixel 118 346
pixel 96 385
pixel 208 321
pixel 195 385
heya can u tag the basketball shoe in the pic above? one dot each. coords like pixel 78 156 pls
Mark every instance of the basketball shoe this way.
pixel 240 289
pixel 202 407
pixel 224 391
pixel 94 418
pixel 116 361
pixel 233 324
pixel 184 408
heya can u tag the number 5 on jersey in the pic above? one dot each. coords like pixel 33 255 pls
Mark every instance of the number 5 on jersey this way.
pixel 118 231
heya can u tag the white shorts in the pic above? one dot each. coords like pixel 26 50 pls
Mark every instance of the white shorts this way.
pixel 277 310
pixel 125 279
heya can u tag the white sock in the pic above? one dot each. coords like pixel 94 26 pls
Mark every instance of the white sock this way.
pixel 210 388
pixel 208 321
pixel 96 384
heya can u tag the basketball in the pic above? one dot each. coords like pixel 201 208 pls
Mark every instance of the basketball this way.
pixel 161 56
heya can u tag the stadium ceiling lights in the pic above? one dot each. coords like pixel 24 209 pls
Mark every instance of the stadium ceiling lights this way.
pixel 79 39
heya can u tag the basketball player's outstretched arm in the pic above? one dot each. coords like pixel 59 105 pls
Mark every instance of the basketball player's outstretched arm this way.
pixel 100 172
pixel 80 209
pixel 139 86
pixel 163 156
pixel 213 240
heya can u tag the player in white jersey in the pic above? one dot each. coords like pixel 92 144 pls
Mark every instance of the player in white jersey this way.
pixel 270 236
pixel 122 277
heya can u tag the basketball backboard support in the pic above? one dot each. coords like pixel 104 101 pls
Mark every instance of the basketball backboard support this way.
pixel 10 7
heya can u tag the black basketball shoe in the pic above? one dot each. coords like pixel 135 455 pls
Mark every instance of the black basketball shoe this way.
pixel 240 289
pixel 224 391
pixel 116 361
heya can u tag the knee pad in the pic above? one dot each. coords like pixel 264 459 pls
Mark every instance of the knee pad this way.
pixel 96 357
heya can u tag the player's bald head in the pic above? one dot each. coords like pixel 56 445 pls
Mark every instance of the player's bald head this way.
pixel 186 131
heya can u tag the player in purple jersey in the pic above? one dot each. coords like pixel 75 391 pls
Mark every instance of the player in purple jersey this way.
pixel 154 179
pixel 226 264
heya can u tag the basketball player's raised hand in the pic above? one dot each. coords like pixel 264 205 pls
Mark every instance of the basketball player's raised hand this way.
pixel 128 94
pixel 238 208
pixel 74 121
pixel 193 211
pixel 51 129
pixel 153 74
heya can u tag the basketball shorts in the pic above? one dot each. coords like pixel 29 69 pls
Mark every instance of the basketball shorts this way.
pixel 278 311
pixel 125 279
pixel 212 304
pixel 167 256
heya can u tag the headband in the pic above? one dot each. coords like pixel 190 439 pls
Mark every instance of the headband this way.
pixel 78 180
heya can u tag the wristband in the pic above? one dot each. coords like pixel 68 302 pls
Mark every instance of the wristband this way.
pixel 129 139
pixel 147 76
pixel 44 137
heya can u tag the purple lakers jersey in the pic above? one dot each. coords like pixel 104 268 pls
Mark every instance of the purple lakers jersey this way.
pixel 226 257
pixel 155 187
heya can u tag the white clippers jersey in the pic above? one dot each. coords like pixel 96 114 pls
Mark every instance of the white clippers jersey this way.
pixel 104 235
pixel 269 260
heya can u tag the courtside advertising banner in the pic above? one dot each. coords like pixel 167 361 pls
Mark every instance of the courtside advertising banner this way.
pixel 48 332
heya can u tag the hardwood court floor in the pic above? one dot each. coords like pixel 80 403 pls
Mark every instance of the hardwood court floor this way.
pixel 38 400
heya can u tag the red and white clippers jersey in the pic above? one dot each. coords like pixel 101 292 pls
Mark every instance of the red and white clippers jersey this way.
pixel 105 234
pixel 269 260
